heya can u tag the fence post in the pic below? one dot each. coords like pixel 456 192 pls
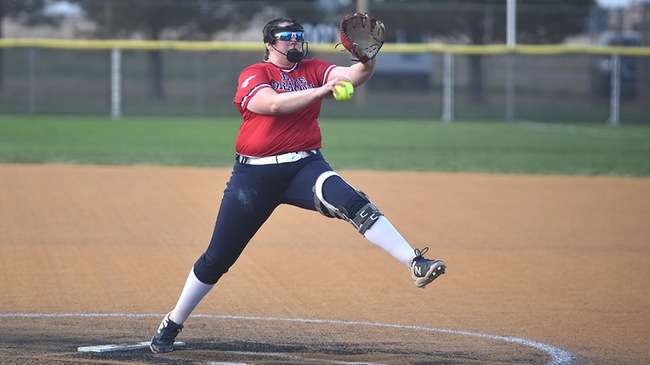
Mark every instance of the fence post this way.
pixel 116 83
pixel 448 88
pixel 511 43
pixel 615 90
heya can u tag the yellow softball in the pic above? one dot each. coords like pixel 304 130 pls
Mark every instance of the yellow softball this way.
pixel 343 91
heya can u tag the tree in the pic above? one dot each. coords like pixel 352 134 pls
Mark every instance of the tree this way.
pixel 171 19
pixel 193 19
pixel 482 22
pixel 25 11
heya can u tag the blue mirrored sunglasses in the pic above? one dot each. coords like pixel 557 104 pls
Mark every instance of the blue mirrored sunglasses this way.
pixel 290 36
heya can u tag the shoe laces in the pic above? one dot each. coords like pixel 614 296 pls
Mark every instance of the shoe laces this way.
pixel 169 328
pixel 420 253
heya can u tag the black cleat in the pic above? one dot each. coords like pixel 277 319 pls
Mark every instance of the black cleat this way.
pixel 163 340
pixel 423 270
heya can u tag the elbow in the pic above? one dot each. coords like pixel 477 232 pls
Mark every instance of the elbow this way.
pixel 274 109
pixel 275 105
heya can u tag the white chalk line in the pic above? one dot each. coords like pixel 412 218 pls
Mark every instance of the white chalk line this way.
pixel 558 356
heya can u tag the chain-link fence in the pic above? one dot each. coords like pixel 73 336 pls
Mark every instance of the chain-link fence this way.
pixel 546 87
pixel 566 87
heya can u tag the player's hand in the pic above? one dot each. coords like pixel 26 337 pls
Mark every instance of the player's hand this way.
pixel 328 87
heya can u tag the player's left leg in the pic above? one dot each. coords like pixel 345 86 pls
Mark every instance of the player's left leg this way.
pixel 317 187
pixel 250 197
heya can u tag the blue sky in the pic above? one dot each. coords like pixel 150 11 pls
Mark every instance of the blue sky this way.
pixel 613 3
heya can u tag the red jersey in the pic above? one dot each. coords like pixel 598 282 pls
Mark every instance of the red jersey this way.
pixel 267 135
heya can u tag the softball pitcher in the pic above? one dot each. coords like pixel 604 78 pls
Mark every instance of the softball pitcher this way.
pixel 278 161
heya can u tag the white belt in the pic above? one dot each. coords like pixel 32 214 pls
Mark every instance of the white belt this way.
pixel 271 160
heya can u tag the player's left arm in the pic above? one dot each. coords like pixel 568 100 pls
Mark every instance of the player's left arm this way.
pixel 357 73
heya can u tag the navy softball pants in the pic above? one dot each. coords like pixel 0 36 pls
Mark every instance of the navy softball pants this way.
pixel 251 195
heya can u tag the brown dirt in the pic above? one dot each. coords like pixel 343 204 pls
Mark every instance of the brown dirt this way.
pixel 560 260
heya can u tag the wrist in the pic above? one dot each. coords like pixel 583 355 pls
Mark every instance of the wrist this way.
pixel 369 64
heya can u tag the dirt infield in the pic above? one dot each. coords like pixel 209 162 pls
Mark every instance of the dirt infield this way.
pixel 557 261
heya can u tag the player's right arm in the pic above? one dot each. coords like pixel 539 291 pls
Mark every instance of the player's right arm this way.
pixel 255 94
pixel 268 101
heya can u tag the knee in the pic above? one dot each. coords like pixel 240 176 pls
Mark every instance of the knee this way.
pixel 209 269
pixel 344 202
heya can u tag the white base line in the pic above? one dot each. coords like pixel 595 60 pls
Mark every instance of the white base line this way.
pixel 558 356
pixel 122 347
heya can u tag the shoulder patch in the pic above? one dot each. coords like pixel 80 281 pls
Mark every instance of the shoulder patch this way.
pixel 248 79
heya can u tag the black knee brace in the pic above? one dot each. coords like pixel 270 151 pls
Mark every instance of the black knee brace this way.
pixel 362 220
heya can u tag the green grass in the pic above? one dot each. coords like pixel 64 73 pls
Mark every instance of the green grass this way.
pixel 367 144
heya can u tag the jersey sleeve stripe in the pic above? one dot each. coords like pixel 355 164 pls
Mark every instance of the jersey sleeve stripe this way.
pixel 327 73
pixel 247 98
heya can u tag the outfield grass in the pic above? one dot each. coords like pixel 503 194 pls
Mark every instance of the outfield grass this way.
pixel 371 144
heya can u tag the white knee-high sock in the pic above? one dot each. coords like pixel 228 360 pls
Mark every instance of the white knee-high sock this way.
pixel 193 291
pixel 386 236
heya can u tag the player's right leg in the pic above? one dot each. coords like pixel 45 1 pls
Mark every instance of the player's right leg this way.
pixel 249 199
pixel 375 227
pixel 317 187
